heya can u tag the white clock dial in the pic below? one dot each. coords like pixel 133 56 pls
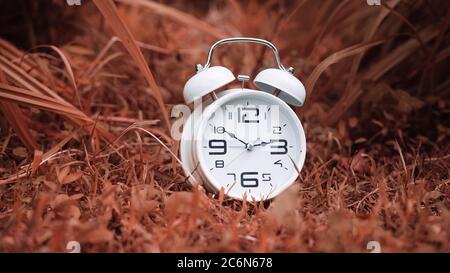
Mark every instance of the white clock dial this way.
pixel 248 143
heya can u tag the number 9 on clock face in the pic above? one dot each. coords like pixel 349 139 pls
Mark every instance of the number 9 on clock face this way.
pixel 250 144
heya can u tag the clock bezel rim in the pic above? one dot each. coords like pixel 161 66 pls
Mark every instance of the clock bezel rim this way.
pixel 197 145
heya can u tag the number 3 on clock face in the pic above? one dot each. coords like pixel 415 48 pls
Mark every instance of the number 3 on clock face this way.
pixel 248 144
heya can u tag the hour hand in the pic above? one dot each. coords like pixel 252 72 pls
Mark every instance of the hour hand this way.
pixel 263 143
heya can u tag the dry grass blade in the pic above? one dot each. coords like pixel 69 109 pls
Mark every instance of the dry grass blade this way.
pixel 352 88
pixel 109 11
pixel 18 123
pixel 25 79
pixel 377 70
pixel 331 18
pixel 391 9
pixel 18 59
pixel 369 36
pixel 35 87
pixel 41 159
pixel 96 64
pixel 177 15
pixel 139 126
pixel 334 58
pixel 28 98
pixel 400 54
pixel 68 67
pixel 102 63
pixel 237 8
pixel 284 22
pixel 25 97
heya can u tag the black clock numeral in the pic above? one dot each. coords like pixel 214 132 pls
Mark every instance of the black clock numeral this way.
pixel 244 112
pixel 219 130
pixel 248 180
pixel 276 130
pixel 219 145
pixel 266 177
pixel 219 163
pixel 234 176
pixel 278 162
pixel 281 149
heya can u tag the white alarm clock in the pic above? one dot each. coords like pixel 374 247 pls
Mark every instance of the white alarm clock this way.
pixel 248 142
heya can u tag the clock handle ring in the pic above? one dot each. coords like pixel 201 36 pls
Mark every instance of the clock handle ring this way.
pixel 245 40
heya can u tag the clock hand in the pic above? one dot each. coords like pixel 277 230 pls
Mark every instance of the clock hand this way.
pixel 263 143
pixel 234 136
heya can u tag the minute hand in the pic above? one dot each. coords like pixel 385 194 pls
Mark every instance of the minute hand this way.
pixel 234 136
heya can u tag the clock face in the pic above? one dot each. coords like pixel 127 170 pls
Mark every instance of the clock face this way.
pixel 248 143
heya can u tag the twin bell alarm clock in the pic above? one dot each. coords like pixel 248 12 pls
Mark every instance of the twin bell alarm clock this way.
pixel 248 142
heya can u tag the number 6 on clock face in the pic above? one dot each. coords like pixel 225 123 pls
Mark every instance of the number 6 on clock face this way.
pixel 248 143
